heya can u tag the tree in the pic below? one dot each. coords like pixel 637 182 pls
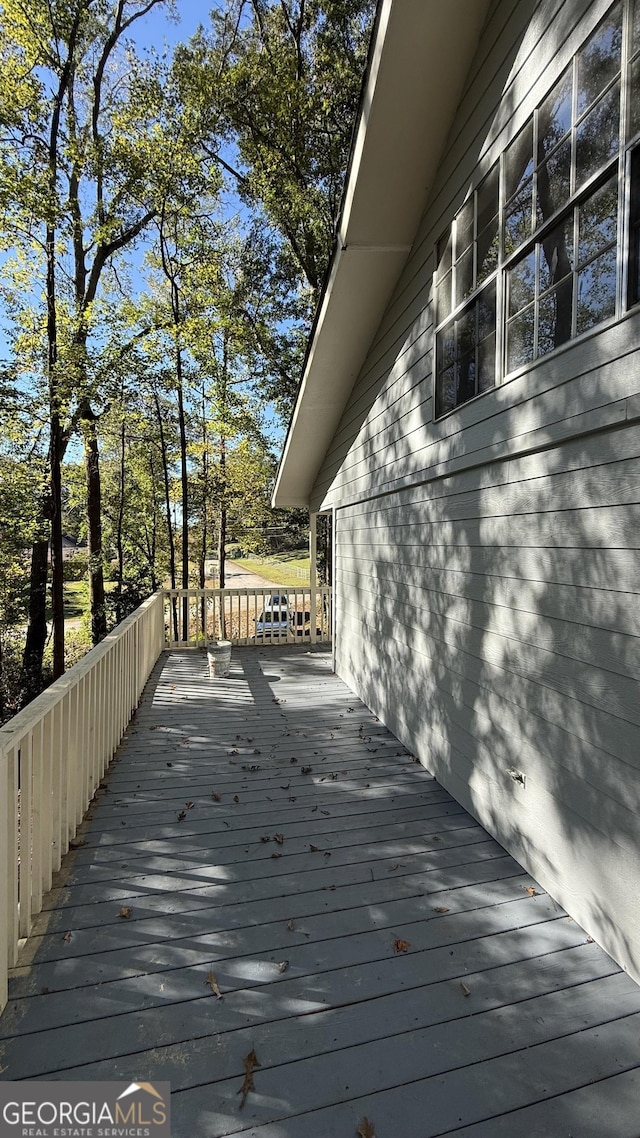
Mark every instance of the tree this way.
pixel 85 168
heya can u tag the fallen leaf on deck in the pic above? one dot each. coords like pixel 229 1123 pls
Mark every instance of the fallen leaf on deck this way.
pixel 531 892
pixel 189 805
pixel 401 945
pixel 276 854
pixel 396 865
pixel 327 812
pixel 250 1062
pixel 182 815
pixel 235 798
pixel 441 909
pixel 313 809
pixel 125 912
pixel 256 750
pixel 306 770
pixel 216 797
pixel 265 838
pixel 76 843
pixel 314 849
pixel 233 751
pixel 365 1129
pixel 67 936
pixel 213 984
pixel 293 760
pixel 279 838
pixel 169 764
pixel 290 925
pixel 465 991
pixel 283 965
pixel 292 798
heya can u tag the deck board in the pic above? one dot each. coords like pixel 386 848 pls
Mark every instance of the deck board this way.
pixel 501 1017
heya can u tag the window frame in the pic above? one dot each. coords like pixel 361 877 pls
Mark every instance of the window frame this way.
pixel 623 162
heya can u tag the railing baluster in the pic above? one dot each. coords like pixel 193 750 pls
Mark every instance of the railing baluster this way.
pixel 12 844
pixel 26 835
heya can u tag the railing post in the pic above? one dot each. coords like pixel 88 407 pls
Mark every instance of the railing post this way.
pixel 6 869
pixel 313 575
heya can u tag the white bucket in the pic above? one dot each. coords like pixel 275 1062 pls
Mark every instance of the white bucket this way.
pixel 219 658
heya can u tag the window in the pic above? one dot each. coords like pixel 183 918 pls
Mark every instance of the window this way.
pixel 533 256
pixel 467 262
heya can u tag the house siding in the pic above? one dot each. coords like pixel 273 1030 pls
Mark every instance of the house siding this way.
pixel 486 565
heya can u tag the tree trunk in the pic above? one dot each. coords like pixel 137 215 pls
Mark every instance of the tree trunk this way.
pixel 184 474
pixel 31 680
pixel 204 513
pixel 167 502
pixel 119 523
pixel 94 525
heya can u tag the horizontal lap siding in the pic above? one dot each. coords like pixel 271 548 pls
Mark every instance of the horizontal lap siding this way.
pixel 485 655
pixel 487 573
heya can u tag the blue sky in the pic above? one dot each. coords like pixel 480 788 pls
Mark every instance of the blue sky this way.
pixel 156 29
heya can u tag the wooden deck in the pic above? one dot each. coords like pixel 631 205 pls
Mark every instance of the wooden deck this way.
pixel 382 956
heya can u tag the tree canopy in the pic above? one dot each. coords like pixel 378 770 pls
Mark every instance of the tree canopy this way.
pixel 166 220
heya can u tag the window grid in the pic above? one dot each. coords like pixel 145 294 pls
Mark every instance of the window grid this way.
pixel 602 119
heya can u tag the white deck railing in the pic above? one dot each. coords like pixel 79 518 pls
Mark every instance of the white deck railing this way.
pixel 194 616
pixel 55 752
pixel 52 757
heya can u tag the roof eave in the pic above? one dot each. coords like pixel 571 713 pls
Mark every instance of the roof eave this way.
pixel 419 61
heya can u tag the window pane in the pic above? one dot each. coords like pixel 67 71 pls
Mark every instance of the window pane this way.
pixel 597 291
pixel 598 221
pixel 633 279
pixel 553 182
pixel 445 348
pixel 634 99
pixel 464 227
pixel 518 160
pixel 599 59
pixel 443 254
pixel 554 116
pixel 488 200
pixel 598 135
pixel 517 222
pixel 556 253
pixel 486 307
pixel 520 339
pixel 635 26
pixel 466 331
pixel 522 280
pixel 446 391
pixel 443 298
pixel 467 377
pixel 487 246
pixel 487 363
pixel 464 276
pixel 555 317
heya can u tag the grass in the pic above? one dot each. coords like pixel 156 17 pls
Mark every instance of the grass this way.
pixel 290 569
pixel 76 599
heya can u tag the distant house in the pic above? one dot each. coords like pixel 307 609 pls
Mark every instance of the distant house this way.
pixel 469 416
pixel 70 548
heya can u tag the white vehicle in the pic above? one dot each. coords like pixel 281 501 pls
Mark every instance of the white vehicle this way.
pixel 275 619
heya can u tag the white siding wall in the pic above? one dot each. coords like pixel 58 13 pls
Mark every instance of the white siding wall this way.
pixel 487 570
